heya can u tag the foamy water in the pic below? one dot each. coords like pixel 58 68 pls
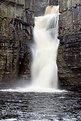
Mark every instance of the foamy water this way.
pixel 30 89
pixel 12 119
pixel 44 67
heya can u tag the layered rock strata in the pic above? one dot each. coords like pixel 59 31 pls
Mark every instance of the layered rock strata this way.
pixel 16 25
pixel 69 54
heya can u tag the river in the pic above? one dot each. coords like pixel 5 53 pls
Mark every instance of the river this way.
pixel 31 106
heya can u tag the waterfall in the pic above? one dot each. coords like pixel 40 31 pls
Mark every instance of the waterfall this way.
pixel 44 66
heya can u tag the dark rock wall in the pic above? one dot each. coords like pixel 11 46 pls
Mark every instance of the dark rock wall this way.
pixel 15 37
pixel 9 51
pixel 39 6
pixel 53 2
pixel 25 57
pixel 11 8
pixel 69 56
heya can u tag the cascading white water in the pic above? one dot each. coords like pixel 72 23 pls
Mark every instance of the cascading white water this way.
pixel 44 67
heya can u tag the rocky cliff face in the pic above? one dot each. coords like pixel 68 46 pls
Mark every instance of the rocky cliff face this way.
pixel 16 25
pixel 11 8
pixel 69 56
pixel 39 6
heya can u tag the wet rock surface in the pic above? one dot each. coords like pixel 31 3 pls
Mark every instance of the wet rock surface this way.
pixel 15 106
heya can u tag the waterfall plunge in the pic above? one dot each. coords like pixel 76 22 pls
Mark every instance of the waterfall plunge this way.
pixel 44 67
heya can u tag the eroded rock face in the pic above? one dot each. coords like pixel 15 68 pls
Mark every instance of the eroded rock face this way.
pixel 53 2
pixel 15 38
pixel 11 8
pixel 39 6
pixel 25 57
pixel 69 56
pixel 9 51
